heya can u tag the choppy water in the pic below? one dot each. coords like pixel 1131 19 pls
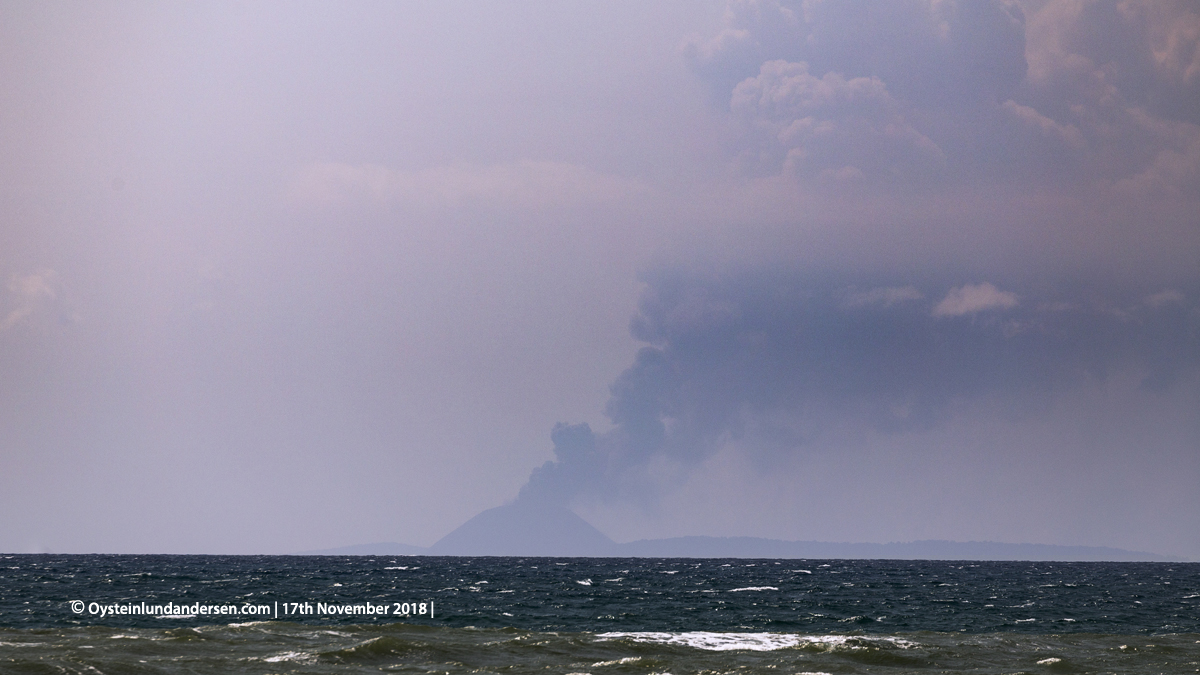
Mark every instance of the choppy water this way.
pixel 546 615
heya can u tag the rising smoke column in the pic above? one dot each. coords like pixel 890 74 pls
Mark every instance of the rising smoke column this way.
pixel 774 360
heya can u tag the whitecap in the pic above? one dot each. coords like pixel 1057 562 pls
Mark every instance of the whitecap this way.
pixel 627 659
pixel 854 619
pixel 584 582
pixel 759 642
pixel 1046 662
pixel 289 656
pixel 754 588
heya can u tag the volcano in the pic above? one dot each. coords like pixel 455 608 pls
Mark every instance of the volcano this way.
pixel 525 529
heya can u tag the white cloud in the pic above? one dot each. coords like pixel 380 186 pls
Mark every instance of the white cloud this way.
pixel 842 128
pixel 784 90
pixel 1067 133
pixel 1173 172
pixel 524 184
pixel 970 299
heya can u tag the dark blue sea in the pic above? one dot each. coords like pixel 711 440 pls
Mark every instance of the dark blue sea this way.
pixel 117 614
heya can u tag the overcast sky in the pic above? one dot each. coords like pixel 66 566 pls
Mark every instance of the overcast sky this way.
pixel 285 276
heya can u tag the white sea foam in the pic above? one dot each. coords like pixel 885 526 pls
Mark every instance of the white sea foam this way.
pixel 759 642
pixel 290 656
pixel 627 659
pixel 1051 660
pixel 584 582
pixel 753 588
pixel 397 568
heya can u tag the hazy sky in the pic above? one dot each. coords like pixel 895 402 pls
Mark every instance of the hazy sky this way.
pixel 285 276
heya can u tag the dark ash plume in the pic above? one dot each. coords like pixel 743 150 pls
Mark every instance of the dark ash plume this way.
pixel 770 360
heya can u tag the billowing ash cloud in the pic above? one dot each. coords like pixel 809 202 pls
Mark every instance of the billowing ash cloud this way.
pixel 771 361
pixel 1032 93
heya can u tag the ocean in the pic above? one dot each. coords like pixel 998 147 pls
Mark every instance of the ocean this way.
pixel 113 614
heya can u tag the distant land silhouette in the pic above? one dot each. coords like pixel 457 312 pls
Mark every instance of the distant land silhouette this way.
pixel 525 529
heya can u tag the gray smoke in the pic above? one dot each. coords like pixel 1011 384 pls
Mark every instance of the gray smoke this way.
pixel 1004 310
pixel 772 360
